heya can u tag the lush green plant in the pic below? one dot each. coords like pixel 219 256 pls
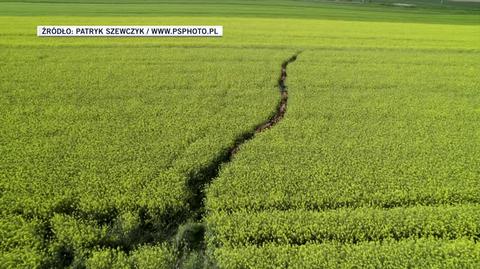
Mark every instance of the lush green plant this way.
pixel 422 253
pixel 349 225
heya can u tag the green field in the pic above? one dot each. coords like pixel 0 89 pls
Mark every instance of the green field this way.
pixel 114 152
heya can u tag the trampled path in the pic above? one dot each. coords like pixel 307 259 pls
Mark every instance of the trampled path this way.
pixel 190 235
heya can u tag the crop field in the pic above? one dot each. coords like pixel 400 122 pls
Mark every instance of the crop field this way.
pixel 146 152
pixel 376 164
pixel 114 158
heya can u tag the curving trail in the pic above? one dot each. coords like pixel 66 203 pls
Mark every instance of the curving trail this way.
pixel 189 238
pixel 281 108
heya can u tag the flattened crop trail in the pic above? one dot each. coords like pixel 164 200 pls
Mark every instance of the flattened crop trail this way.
pixel 278 116
pixel 189 240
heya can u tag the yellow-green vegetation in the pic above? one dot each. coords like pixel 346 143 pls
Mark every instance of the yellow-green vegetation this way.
pixel 100 144
pixel 421 253
pixel 107 144
pixel 375 164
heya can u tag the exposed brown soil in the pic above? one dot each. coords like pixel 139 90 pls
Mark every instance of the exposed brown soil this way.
pixel 281 108
pixel 199 180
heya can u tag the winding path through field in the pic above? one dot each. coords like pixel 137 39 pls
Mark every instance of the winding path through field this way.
pixel 190 236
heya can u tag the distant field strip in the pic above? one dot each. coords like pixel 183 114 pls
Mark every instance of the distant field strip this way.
pixel 424 11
